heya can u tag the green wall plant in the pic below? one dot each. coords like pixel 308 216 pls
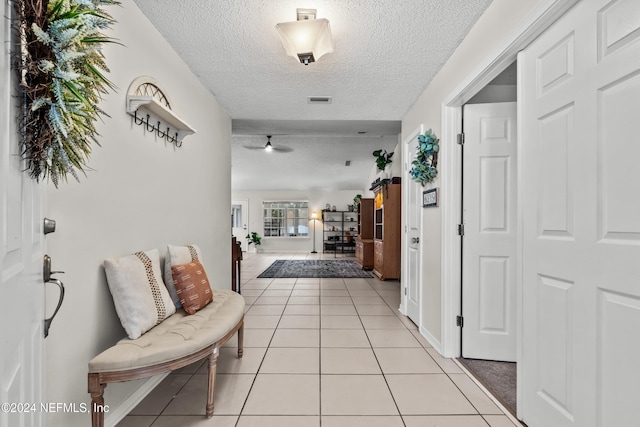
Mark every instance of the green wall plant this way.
pixel 62 70
pixel 424 167
pixel 382 158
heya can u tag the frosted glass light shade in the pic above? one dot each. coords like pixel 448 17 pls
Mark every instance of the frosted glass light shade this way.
pixel 306 40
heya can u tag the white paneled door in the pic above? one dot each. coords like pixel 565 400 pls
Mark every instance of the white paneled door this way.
pixel 580 87
pixel 21 254
pixel 413 221
pixel 490 232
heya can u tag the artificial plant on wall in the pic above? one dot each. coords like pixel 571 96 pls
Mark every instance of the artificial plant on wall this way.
pixel 425 167
pixel 61 69
pixel 382 158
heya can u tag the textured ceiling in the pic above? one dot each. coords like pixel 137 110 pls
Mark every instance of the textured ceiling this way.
pixel 386 52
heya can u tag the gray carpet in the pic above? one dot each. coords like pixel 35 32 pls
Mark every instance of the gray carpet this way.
pixel 497 377
pixel 314 269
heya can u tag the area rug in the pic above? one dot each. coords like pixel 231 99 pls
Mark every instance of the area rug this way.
pixel 314 268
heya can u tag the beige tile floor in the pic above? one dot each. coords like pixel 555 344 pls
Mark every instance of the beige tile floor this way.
pixel 322 352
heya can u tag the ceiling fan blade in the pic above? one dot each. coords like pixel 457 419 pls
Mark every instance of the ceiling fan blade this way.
pixel 270 146
pixel 283 149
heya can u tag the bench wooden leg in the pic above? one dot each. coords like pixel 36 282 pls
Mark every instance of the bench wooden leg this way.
pixel 241 340
pixel 97 400
pixel 213 367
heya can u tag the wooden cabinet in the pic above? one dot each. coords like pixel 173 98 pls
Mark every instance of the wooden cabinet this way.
pixel 364 240
pixel 364 253
pixel 387 229
pixel 378 260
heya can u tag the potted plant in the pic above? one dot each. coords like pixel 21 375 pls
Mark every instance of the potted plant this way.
pixel 254 238
pixel 382 158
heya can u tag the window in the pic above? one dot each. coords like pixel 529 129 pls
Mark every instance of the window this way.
pixel 286 219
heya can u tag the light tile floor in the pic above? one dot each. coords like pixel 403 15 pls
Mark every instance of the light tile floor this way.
pixel 322 352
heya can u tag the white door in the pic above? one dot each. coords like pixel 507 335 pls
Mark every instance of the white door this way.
pixel 489 258
pixel 239 218
pixel 21 254
pixel 580 86
pixel 413 219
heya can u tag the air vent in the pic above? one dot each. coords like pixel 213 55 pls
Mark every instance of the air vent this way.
pixel 319 99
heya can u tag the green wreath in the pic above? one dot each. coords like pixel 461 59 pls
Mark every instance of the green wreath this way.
pixel 61 69
pixel 424 167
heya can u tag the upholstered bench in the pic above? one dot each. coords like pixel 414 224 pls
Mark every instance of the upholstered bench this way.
pixel 178 341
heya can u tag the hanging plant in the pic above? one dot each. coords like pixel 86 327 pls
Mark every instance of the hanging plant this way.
pixel 424 167
pixel 382 158
pixel 61 68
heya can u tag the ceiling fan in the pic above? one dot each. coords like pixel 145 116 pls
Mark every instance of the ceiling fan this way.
pixel 269 148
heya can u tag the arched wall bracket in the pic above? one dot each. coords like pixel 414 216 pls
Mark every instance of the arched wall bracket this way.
pixel 151 108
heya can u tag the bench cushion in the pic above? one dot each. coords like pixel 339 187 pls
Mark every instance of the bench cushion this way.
pixel 177 336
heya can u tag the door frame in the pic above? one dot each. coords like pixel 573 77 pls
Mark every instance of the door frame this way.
pixel 405 214
pixel 536 23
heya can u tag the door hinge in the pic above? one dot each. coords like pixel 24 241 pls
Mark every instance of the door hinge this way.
pixel 459 321
pixel 461 139
pixel 460 229
pixel 405 291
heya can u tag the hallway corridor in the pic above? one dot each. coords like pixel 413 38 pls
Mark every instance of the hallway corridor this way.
pixel 322 352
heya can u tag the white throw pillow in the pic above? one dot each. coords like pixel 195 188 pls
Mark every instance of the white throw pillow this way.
pixel 178 255
pixel 139 294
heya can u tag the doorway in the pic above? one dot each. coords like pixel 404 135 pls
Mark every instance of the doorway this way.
pixel 489 237
pixel 239 218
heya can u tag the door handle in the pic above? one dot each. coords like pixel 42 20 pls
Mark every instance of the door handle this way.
pixel 46 276
pixel 47 322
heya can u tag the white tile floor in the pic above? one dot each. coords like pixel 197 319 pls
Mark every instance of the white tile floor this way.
pixel 322 352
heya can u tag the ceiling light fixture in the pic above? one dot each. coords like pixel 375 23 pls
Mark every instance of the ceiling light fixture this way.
pixel 306 39
pixel 268 147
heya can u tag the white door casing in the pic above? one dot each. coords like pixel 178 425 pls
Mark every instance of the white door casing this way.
pixel 580 84
pixel 21 254
pixel 489 259
pixel 412 212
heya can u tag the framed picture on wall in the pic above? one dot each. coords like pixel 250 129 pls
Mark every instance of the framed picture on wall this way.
pixel 430 198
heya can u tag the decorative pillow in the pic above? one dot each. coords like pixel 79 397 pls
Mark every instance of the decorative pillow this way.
pixel 141 299
pixel 192 286
pixel 177 255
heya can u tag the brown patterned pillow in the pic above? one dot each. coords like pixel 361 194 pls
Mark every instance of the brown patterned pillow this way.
pixel 192 286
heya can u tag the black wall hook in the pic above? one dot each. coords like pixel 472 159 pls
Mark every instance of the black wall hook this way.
pixel 166 135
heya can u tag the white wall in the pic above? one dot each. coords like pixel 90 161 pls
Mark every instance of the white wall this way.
pixel 500 19
pixel 142 194
pixel 317 201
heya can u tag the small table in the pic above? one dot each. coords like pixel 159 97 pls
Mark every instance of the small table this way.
pixel 236 258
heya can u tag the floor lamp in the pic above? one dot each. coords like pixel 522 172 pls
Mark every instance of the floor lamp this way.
pixel 314 218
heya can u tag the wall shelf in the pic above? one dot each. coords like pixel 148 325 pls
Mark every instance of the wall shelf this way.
pixel 135 103
pixel 150 107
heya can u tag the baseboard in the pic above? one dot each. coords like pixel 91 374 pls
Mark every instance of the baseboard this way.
pixel 116 415
pixel 435 343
